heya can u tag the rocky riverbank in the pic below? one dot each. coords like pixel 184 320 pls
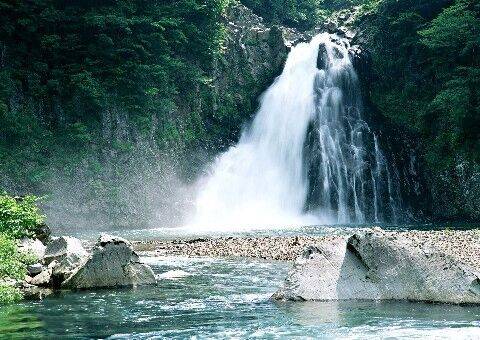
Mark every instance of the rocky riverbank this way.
pixel 372 264
pixel 375 265
pixel 64 263
pixel 463 245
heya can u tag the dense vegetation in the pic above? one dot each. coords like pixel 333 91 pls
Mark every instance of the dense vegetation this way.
pixel 93 92
pixel 426 59
pixel 19 217
pixel 301 14
pixel 84 85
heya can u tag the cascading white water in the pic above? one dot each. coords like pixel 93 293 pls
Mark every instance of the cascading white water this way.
pixel 303 160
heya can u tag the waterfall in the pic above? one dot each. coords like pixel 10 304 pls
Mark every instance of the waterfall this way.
pixel 307 158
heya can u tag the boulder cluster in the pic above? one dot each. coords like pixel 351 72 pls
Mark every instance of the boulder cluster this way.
pixel 375 265
pixel 64 263
pixel 365 264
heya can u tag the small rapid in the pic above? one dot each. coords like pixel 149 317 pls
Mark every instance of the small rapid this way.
pixel 226 298
pixel 308 157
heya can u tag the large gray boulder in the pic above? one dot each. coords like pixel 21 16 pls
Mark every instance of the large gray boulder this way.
pixel 374 265
pixel 68 254
pixel 32 246
pixel 64 248
pixel 112 263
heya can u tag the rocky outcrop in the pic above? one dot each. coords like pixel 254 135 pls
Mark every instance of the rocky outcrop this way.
pixel 34 269
pixel 66 253
pixel 64 248
pixel 253 54
pixel 44 277
pixel 456 192
pixel 33 247
pixel 112 263
pixel 379 266
pixel 66 264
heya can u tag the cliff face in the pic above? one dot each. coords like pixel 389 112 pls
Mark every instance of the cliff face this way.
pixel 430 194
pixel 456 192
pixel 253 55
pixel 129 176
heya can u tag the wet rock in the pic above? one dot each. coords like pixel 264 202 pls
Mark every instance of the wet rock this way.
pixel 322 56
pixel 44 278
pixel 34 269
pixel 43 232
pixel 254 54
pixel 31 292
pixel 112 263
pixel 376 265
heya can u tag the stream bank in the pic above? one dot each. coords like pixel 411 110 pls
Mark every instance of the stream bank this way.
pixel 225 298
pixel 463 245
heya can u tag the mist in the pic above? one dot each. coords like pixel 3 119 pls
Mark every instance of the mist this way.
pixel 145 189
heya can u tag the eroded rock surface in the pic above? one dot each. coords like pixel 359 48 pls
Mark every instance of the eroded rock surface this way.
pixel 380 266
pixel 67 254
pixel 112 263
pixel 32 246
pixel 65 249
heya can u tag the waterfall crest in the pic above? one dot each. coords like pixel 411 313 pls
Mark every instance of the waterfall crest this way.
pixel 308 156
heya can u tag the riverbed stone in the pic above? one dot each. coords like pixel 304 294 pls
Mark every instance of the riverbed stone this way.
pixel 34 269
pixel 375 265
pixel 112 263
pixel 64 247
pixel 44 278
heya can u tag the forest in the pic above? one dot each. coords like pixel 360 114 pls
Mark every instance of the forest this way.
pixel 108 87
pixel 250 168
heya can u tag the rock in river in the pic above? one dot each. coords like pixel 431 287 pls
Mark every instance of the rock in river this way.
pixel 67 253
pixel 32 246
pixel 112 263
pixel 34 269
pixel 65 249
pixel 375 265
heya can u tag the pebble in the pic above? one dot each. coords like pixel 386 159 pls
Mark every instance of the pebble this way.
pixel 462 245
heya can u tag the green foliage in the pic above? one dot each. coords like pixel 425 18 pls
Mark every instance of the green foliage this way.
pixel 83 81
pixel 454 29
pixel 429 79
pixel 19 216
pixel 9 294
pixel 294 13
pixel 12 266
pixel 303 14
pixel 11 261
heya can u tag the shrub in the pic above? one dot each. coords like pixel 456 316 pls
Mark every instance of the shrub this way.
pixel 12 265
pixel 12 262
pixel 9 294
pixel 19 217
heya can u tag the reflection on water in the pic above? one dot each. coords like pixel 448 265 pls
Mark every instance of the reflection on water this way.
pixel 226 298
pixel 18 319
pixel 374 317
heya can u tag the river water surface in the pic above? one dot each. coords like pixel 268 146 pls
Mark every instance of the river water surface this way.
pixel 226 298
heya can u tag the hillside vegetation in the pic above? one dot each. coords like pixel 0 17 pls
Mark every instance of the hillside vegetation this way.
pixel 19 217
pixel 93 92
